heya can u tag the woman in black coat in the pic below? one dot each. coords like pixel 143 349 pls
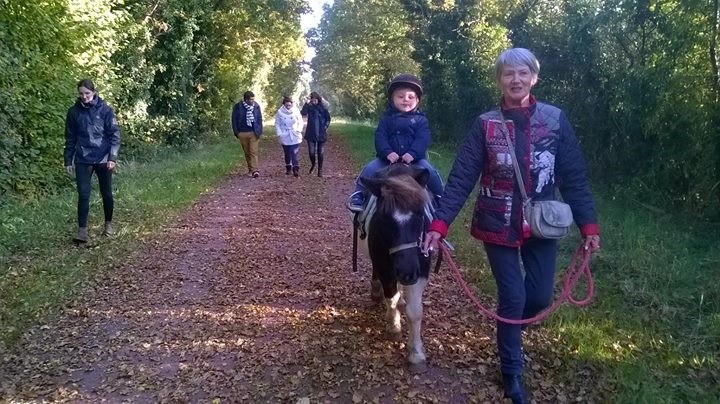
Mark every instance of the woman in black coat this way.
pixel 318 120
pixel 92 142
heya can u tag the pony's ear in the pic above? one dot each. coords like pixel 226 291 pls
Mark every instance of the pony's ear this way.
pixel 372 184
pixel 421 175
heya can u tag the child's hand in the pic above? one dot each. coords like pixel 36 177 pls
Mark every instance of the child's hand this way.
pixel 407 158
pixel 393 157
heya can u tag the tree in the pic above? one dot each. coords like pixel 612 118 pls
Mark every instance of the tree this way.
pixel 360 46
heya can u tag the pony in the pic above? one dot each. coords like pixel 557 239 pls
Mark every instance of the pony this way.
pixel 395 232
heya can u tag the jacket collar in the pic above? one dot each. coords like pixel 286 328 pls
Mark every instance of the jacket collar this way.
pixel 530 107
pixel 92 104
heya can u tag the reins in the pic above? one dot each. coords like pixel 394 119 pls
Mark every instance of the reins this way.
pixel 579 266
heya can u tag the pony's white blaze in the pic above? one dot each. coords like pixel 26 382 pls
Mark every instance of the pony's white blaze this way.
pixel 393 314
pixel 414 312
pixel 402 217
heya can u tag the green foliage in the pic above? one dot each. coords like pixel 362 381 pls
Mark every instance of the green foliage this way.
pixel 360 47
pixel 638 79
pixel 170 69
pixel 33 67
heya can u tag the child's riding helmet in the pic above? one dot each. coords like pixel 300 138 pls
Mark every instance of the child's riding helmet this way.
pixel 405 80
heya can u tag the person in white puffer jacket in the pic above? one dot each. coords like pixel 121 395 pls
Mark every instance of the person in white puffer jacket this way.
pixel 288 127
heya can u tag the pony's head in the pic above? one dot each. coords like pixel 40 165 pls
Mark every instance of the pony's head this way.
pixel 399 223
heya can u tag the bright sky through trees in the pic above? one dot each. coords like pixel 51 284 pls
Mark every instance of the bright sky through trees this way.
pixel 311 20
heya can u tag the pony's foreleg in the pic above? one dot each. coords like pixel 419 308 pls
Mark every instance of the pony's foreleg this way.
pixel 401 301
pixel 414 312
pixel 393 314
pixel 376 290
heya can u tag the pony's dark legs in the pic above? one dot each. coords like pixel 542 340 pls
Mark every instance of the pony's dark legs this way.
pixel 377 292
pixel 384 273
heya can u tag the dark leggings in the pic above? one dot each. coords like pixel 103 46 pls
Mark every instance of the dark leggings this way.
pixel 83 175
pixel 316 149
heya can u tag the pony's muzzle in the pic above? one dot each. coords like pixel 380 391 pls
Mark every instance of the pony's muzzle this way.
pixel 408 279
pixel 407 269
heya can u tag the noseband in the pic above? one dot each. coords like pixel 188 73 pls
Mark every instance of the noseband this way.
pixel 416 244
pixel 407 246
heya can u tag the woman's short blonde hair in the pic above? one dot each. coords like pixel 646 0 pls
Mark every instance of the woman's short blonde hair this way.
pixel 516 57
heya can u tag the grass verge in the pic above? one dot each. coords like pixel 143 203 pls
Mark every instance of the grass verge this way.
pixel 41 269
pixel 653 330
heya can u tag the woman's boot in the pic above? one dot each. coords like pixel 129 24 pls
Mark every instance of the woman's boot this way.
pixel 296 171
pixel 108 230
pixel 514 389
pixel 312 164
pixel 287 169
pixel 82 235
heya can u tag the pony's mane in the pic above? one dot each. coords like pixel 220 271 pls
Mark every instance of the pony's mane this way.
pixel 402 193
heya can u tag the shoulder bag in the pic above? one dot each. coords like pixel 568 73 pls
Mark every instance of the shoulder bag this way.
pixel 547 219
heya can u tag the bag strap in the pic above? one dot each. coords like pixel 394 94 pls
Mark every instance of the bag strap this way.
pixel 514 159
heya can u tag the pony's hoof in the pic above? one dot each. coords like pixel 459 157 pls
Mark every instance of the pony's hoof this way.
pixel 418 368
pixel 376 298
pixel 394 334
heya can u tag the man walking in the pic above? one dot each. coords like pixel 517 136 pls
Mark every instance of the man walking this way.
pixel 247 127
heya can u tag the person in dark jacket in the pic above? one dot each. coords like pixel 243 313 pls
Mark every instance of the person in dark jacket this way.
pixel 247 128
pixel 318 121
pixel 549 157
pixel 402 136
pixel 92 143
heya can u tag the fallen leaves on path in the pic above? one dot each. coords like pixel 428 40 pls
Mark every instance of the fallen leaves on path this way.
pixel 250 297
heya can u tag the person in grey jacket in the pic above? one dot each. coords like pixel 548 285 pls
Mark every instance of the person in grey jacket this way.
pixel 92 143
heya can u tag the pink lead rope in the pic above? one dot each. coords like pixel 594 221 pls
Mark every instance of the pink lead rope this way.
pixel 579 266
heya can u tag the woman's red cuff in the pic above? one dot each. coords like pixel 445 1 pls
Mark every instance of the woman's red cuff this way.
pixel 590 230
pixel 439 226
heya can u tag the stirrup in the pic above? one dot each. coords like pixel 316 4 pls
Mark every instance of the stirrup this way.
pixel 354 207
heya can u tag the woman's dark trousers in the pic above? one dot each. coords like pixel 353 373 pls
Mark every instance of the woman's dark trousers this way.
pixel 316 149
pixel 83 175
pixel 291 155
pixel 519 296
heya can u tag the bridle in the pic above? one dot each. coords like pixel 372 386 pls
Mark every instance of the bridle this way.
pixel 415 244
pixel 428 215
pixel 407 246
